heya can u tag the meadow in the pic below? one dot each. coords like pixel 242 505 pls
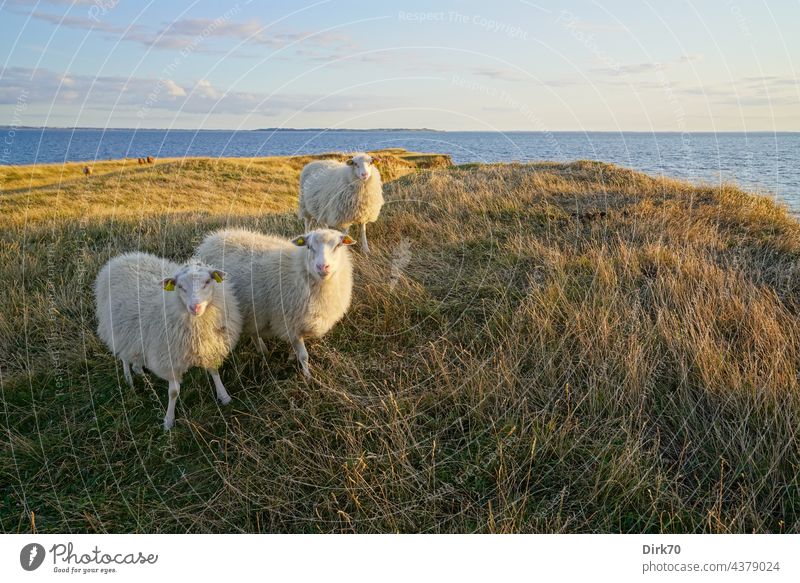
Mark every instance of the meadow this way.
pixel 531 348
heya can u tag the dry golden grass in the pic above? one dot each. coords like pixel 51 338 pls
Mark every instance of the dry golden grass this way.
pixel 531 348
pixel 195 186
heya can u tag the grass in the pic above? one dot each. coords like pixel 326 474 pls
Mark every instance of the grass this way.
pixel 531 348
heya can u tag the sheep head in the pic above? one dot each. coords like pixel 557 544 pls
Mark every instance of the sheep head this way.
pixel 195 283
pixel 325 250
pixel 362 166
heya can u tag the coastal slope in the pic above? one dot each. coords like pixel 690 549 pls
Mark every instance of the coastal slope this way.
pixel 531 348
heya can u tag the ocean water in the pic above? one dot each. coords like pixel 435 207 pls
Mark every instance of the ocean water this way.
pixel 765 162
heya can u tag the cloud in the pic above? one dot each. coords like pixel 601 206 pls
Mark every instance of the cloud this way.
pixel 173 89
pixel 55 2
pixel 140 94
pixel 197 33
pixel 757 100
pixel 760 90
pixel 500 74
pixel 214 27
pixel 771 82
pixel 78 22
pixel 645 67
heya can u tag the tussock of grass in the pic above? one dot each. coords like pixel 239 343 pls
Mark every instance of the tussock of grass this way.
pixel 547 347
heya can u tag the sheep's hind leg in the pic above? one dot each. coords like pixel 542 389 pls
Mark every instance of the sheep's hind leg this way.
pixel 363 237
pixel 222 394
pixel 174 391
pixel 126 372
pixel 302 355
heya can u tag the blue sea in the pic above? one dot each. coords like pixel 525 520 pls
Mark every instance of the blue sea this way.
pixel 763 161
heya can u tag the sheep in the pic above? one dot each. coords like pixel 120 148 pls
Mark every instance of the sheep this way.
pixel 290 289
pixel 339 194
pixel 145 322
pixel 150 160
pixel 140 161
pixel 87 171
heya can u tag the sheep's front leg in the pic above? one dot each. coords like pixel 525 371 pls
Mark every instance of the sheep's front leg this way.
pixel 262 346
pixel 222 394
pixel 302 355
pixel 126 372
pixel 363 238
pixel 174 391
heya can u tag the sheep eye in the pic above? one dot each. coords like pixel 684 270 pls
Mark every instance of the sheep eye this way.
pixel 180 287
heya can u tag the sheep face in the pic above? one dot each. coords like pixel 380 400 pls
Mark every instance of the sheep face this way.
pixel 194 284
pixel 361 164
pixel 325 249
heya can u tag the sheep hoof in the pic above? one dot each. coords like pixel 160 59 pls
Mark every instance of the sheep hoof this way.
pixel 168 423
pixel 226 400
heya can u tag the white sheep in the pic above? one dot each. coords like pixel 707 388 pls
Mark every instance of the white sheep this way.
pixel 157 314
pixel 290 289
pixel 339 194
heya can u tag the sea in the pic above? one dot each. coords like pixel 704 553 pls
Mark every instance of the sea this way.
pixel 764 162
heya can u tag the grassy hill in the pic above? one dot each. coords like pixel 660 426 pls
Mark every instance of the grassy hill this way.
pixel 531 348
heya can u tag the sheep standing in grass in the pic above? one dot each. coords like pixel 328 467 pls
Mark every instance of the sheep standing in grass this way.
pixel 340 194
pixel 290 289
pixel 157 314
pixel 87 171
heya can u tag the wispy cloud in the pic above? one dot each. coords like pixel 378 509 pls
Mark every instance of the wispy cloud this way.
pixel 775 82
pixel 54 2
pixel 187 32
pixel 497 73
pixel 645 67
pixel 78 22
pixel 145 94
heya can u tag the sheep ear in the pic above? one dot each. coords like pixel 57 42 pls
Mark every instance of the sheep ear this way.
pixel 348 240
pixel 299 241
pixel 168 283
pixel 219 276
pixel 351 162
pixel 375 159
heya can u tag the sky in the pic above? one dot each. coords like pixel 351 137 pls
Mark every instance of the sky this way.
pixel 607 65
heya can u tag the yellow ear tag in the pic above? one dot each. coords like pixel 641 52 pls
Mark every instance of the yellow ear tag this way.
pixel 217 277
pixel 300 241
pixel 347 240
pixel 170 285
